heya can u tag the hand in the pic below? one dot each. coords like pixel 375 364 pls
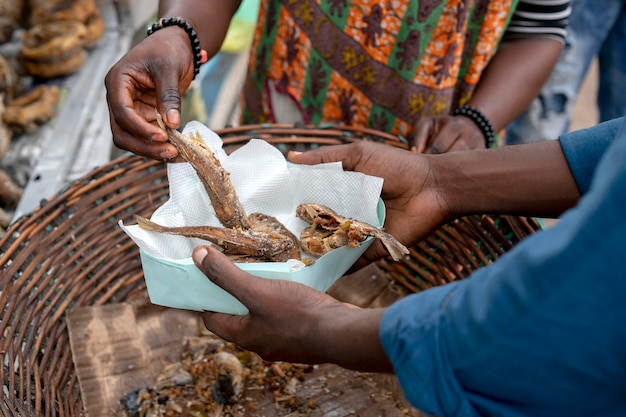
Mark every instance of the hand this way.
pixel 414 206
pixel 152 75
pixel 292 322
pixel 442 134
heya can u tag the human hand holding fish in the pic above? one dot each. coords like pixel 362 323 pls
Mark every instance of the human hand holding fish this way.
pixel 270 188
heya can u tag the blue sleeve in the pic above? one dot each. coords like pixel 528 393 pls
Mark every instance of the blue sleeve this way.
pixel 538 333
pixel 584 148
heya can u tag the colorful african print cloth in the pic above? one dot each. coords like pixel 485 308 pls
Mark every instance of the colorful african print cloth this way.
pixel 381 65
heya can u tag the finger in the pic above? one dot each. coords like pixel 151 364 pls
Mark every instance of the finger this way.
pixel 421 134
pixel 123 139
pixel 224 325
pixel 167 87
pixel 324 154
pixel 444 140
pixel 225 274
pixel 125 113
pixel 461 145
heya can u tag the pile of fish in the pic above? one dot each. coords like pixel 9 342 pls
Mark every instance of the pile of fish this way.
pixel 260 237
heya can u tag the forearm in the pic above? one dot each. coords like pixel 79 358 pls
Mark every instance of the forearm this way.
pixel 514 78
pixel 351 339
pixel 533 180
pixel 209 18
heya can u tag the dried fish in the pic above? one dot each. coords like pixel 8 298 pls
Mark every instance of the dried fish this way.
pixel 272 246
pixel 329 231
pixel 214 177
pixel 260 237
pixel 264 223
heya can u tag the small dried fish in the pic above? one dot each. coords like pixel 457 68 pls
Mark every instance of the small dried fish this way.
pixel 264 223
pixel 329 231
pixel 266 246
pixel 214 177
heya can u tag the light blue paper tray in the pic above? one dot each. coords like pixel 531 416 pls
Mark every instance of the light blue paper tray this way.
pixel 180 284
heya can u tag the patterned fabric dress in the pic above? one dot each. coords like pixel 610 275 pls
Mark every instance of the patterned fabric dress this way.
pixel 377 64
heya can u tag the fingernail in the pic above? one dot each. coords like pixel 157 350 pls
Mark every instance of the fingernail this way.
pixel 199 254
pixel 166 156
pixel 296 152
pixel 173 117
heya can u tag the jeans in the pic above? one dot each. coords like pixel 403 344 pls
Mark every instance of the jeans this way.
pixel 597 28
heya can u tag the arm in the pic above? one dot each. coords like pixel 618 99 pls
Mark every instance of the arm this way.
pixel 524 60
pixel 209 18
pixel 423 192
pixel 510 82
pixel 489 345
pixel 521 180
pixel 512 79
pixel 155 73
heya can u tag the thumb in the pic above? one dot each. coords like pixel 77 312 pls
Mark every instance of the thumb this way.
pixel 224 273
pixel 168 99
pixel 321 155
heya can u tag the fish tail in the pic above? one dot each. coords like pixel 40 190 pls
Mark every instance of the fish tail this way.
pixel 396 249
pixel 146 224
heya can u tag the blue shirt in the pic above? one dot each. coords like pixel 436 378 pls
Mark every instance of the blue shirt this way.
pixel 540 332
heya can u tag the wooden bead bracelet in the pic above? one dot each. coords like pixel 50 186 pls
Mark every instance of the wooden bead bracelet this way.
pixel 199 54
pixel 480 120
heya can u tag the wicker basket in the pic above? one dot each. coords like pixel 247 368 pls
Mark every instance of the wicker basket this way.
pixel 70 252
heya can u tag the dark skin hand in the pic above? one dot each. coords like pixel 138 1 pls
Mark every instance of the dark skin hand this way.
pixel 440 134
pixel 512 79
pixel 292 322
pixel 414 208
pixel 154 74
pixel 134 91
pixel 423 192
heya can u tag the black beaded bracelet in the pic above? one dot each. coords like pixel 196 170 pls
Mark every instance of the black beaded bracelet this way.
pixel 199 54
pixel 481 121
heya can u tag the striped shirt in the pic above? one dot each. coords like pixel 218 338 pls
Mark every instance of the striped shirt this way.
pixel 541 18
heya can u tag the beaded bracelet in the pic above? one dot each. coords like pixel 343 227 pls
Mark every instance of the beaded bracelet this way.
pixel 199 55
pixel 481 121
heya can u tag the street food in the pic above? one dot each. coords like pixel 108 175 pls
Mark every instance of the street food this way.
pixel 213 176
pixel 95 29
pixel 32 109
pixel 11 12
pixel 329 231
pixel 244 245
pixel 66 10
pixel 53 49
pixel 260 237
pixel 11 86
